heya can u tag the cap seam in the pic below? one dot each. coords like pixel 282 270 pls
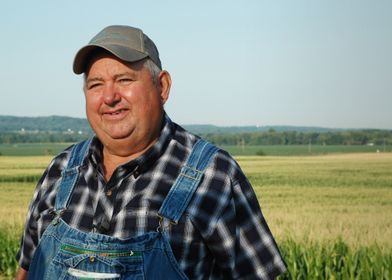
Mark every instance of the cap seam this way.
pixel 142 42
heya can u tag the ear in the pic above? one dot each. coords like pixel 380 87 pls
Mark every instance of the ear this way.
pixel 164 81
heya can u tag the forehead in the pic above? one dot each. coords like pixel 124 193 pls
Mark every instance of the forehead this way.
pixel 104 60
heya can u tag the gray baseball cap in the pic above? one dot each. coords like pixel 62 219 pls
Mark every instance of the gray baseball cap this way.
pixel 127 43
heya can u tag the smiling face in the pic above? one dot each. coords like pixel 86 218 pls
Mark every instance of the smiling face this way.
pixel 123 104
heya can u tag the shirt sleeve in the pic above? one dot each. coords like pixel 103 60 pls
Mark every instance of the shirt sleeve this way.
pixel 228 216
pixel 39 214
pixel 241 241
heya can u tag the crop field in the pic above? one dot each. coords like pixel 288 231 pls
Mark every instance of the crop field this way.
pixel 296 150
pixel 32 149
pixel 40 149
pixel 331 214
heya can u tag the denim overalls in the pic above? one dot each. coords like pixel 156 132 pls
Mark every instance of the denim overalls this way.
pixel 67 253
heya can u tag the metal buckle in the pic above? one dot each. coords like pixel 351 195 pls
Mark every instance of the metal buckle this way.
pixel 56 219
pixel 160 227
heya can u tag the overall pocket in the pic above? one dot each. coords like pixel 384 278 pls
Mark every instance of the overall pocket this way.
pixel 75 262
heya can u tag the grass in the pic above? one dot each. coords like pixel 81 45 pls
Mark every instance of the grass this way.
pixel 23 168
pixel 335 260
pixel 14 200
pixel 42 149
pixel 367 170
pixel 32 149
pixel 303 150
pixel 9 244
pixel 330 213
pixel 325 197
pixel 360 216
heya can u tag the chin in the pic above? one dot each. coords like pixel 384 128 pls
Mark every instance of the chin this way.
pixel 117 135
pixel 109 135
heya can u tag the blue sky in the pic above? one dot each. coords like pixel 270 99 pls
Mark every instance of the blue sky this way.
pixel 308 63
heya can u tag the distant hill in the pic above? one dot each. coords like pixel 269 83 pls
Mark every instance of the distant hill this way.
pixel 57 124
pixel 54 124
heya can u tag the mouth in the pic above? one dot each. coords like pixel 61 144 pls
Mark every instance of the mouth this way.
pixel 117 112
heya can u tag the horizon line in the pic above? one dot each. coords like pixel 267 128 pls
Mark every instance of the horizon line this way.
pixel 226 126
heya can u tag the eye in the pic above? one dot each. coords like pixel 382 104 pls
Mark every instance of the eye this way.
pixel 93 85
pixel 125 80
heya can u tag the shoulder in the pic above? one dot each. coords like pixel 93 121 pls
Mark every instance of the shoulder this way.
pixel 46 188
pixel 217 194
pixel 45 191
pixel 222 165
pixel 219 189
pixel 55 168
pixel 225 166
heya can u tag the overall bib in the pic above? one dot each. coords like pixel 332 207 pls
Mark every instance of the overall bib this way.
pixel 67 253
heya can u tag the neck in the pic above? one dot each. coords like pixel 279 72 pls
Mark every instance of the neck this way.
pixel 114 156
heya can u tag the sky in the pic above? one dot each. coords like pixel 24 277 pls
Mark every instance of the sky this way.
pixel 233 63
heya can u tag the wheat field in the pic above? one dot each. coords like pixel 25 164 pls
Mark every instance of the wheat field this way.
pixel 331 214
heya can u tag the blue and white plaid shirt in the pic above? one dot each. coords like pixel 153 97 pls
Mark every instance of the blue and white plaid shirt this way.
pixel 222 234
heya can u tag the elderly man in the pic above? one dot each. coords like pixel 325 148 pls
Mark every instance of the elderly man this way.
pixel 144 198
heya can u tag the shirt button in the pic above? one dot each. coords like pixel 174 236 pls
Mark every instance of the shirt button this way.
pixel 109 193
pixel 92 259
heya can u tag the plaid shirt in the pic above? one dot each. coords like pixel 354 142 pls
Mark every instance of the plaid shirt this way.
pixel 222 234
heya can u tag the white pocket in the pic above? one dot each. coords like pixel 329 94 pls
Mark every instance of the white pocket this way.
pixel 93 275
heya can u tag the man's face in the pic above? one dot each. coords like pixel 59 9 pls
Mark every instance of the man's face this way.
pixel 122 101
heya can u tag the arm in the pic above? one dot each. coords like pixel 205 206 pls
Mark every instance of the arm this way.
pixel 21 274
pixel 226 212
pixel 241 241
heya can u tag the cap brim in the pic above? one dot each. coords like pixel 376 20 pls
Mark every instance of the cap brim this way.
pixel 123 53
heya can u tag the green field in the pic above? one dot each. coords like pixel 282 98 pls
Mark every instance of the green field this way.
pixel 32 149
pixel 303 150
pixel 331 214
pixel 40 149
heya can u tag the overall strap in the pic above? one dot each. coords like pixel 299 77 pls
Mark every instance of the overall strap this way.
pixel 70 174
pixel 187 182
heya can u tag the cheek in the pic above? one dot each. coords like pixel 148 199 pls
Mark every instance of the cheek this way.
pixel 92 112
pixel 147 106
pixel 92 104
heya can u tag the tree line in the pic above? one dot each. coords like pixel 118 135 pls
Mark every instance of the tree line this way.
pixel 270 137
pixel 41 137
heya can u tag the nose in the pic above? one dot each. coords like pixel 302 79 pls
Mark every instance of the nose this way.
pixel 111 95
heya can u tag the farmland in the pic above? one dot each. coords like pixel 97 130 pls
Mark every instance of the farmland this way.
pixel 330 213
pixel 32 149
pixel 40 149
